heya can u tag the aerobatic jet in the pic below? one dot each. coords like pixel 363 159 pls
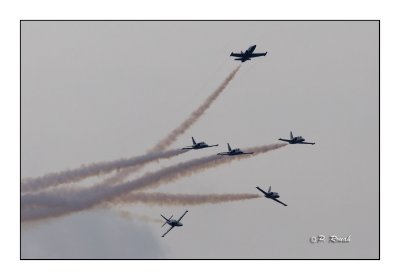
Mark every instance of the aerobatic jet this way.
pixel 248 54
pixel 271 195
pixel 173 223
pixel 296 140
pixel 199 145
pixel 233 152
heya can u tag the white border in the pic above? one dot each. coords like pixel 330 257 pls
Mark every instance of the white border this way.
pixel 13 11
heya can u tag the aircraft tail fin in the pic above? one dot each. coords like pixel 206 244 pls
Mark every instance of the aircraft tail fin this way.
pixel 194 142
pixel 229 147
pixel 269 190
pixel 291 135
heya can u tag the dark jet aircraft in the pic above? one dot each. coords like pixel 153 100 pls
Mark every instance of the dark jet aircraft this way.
pixel 196 146
pixel 173 223
pixel 271 195
pixel 296 140
pixel 248 54
pixel 233 152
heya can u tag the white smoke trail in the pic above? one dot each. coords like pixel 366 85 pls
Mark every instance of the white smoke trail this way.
pixel 133 216
pixel 42 205
pixel 132 164
pixel 85 171
pixel 182 128
pixel 164 199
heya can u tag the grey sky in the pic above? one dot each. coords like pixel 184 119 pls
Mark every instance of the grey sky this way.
pixel 96 91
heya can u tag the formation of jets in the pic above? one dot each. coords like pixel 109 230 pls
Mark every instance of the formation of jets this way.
pixel 242 56
pixel 202 145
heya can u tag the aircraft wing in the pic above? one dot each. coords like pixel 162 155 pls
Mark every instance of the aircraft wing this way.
pixel 187 148
pixel 167 231
pixel 257 54
pixel 278 201
pixel 183 215
pixel 208 146
pixel 237 54
pixel 261 190
pixel 307 143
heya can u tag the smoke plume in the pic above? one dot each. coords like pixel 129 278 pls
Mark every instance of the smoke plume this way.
pixel 133 164
pixel 164 199
pixel 53 204
pixel 134 216
pixel 174 134
pixel 85 171
pixel 167 141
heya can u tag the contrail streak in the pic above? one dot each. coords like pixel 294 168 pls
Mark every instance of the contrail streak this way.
pixel 53 204
pixel 133 164
pixel 132 216
pixel 163 199
pixel 182 128
pixel 85 171
pixel 171 138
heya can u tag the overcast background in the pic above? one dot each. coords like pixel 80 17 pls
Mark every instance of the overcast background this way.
pixel 95 91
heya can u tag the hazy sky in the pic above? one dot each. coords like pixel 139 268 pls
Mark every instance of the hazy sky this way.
pixel 97 91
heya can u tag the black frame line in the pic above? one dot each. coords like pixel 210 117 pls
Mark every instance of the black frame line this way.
pixel 217 20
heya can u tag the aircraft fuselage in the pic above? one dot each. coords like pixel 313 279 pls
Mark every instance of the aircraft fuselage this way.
pixel 174 223
pixel 296 140
pixel 200 145
pixel 234 153
pixel 272 195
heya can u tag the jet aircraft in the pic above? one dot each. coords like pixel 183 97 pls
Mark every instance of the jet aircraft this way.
pixel 296 140
pixel 233 152
pixel 199 145
pixel 271 195
pixel 173 223
pixel 248 54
